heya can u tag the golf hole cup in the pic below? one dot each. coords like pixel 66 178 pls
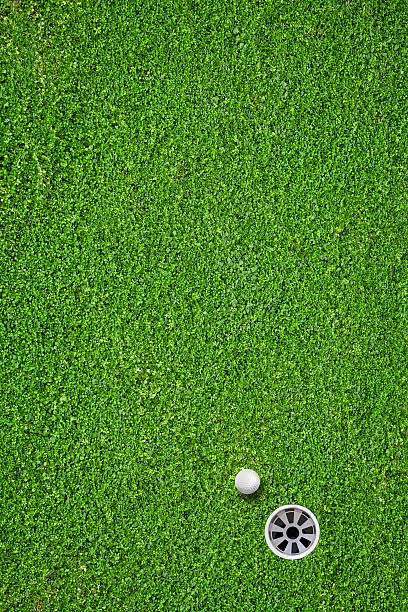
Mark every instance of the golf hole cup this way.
pixel 292 532
pixel 247 482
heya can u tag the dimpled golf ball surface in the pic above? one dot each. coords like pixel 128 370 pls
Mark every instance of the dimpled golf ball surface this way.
pixel 247 481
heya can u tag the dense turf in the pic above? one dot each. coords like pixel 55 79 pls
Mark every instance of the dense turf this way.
pixel 204 251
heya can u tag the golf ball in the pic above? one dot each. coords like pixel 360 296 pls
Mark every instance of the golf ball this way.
pixel 247 481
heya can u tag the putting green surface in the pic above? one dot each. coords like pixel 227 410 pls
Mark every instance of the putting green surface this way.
pixel 204 250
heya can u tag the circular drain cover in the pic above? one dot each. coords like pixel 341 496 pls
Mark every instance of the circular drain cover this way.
pixel 292 532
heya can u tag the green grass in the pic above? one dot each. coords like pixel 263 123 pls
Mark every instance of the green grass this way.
pixel 204 249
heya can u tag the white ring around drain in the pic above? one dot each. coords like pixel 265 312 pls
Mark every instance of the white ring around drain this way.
pixel 311 520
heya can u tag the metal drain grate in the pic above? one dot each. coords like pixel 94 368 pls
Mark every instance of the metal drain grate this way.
pixel 292 532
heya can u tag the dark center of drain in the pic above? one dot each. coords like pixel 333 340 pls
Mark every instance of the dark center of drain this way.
pixel 292 533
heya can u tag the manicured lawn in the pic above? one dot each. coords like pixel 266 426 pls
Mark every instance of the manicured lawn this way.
pixel 204 251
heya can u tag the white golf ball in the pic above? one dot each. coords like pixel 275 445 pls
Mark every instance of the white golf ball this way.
pixel 247 481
